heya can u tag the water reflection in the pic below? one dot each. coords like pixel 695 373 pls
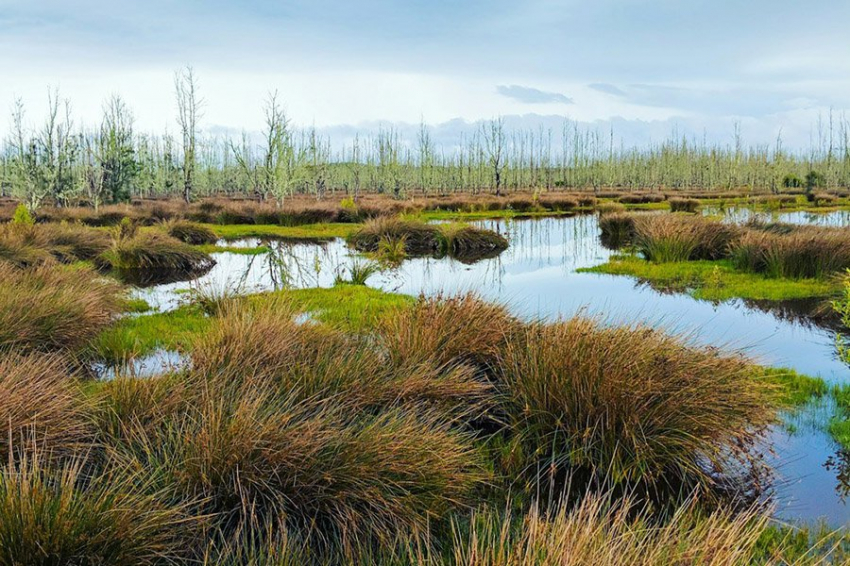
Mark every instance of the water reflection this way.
pixel 537 277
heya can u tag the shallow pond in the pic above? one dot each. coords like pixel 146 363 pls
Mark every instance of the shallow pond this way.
pixel 537 277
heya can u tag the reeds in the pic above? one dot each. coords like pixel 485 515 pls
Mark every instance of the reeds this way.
pixel 53 309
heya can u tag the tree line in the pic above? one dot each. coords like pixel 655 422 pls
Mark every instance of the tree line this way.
pixel 63 163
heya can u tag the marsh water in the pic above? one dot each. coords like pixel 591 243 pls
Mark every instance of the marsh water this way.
pixel 538 277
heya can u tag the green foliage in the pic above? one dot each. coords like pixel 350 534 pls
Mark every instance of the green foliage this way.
pixel 814 180
pixel 392 251
pixel 842 307
pixel 792 181
pixel 22 216
pixel 140 335
pixel 358 273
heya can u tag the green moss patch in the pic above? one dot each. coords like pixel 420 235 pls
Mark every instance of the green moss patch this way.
pixel 308 232
pixel 714 280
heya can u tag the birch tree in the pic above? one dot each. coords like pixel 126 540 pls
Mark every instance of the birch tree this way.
pixel 189 112
pixel 494 137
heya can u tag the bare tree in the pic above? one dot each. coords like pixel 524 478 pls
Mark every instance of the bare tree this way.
pixel 189 106
pixel 495 145
pixel 94 174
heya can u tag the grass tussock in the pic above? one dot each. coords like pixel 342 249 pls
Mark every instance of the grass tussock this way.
pixel 775 250
pixel 54 309
pixel 448 330
pixel 28 246
pixel 418 238
pixel 152 256
pixel 618 229
pixel 264 347
pixel 632 406
pixel 684 205
pixel 671 238
pixel 64 515
pixel 389 441
pixel 615 533
pixel 805 252
pixel 256 454
pixel 191 233
pixel 41 405
pixel 462 241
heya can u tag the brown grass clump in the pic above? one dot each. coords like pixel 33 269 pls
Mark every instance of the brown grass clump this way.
pixel 447 330
pixel 599 530
pixel 147 257
pixel 558 202
pixel 618 230
pixel 191 233
pixel 264 347
pixel 419 238
pixel 642 198
pixel 63 514
pixel 462 241
pixel 308 464
pixel 40 405
pixel 466 243
pixel 51 309
pixel 631 405
pixel 801 252
pixel 124 405
pixel 25 246
pixel 664 238
pixel 684 205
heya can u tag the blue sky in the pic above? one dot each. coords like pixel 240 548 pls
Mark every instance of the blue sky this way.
pixel 645 66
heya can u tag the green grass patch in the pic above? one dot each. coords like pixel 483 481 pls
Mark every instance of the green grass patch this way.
pixel 796 389
pixel 348 307
pixel 714 280
pixel 839 429
pixel 140 335
pixel 136 305
pixel 307 232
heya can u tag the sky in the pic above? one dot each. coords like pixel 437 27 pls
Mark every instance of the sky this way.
pixel 645 67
